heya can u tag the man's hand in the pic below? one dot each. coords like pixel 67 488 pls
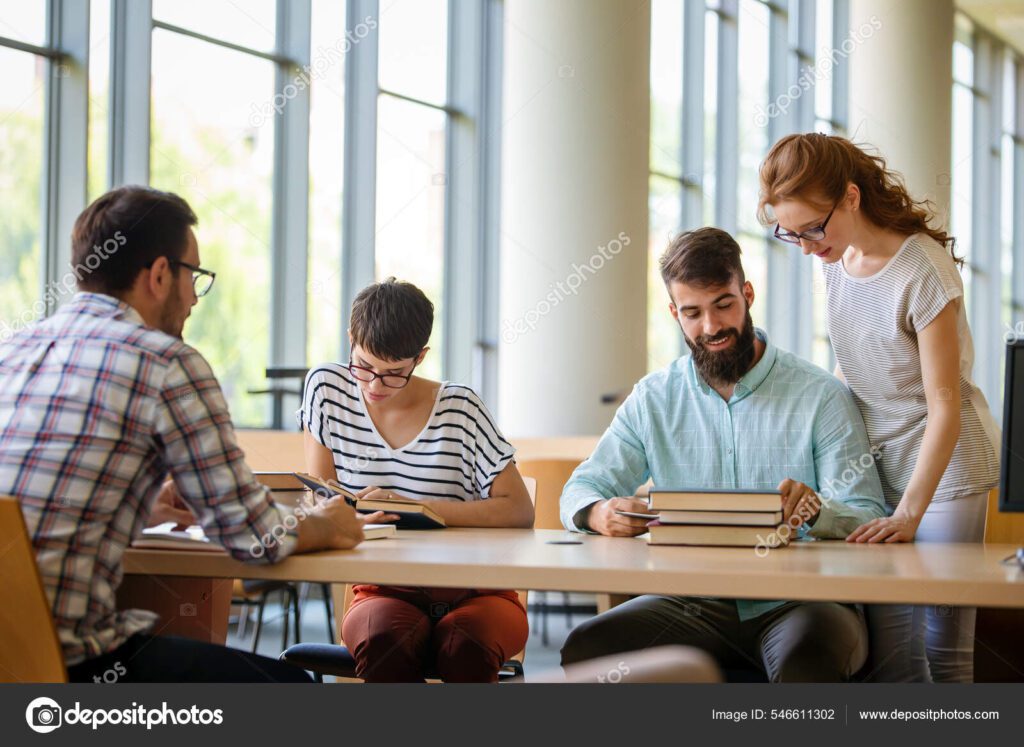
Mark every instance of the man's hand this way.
pixel 800 504
pixel 332 525
pixel 169 506
pixel 602 518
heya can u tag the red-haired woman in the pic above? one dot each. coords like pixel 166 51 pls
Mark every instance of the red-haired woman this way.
pixel 898 327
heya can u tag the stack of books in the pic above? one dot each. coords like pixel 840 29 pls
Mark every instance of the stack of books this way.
pixel 728 518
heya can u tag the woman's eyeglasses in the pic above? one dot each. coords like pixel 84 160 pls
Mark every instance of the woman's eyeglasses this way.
pixel 392 381
pixel 811 234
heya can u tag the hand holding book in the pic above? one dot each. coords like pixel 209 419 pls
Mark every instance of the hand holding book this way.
pixel 378 503
pixel 800 504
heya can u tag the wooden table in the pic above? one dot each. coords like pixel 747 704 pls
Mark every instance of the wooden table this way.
pixel 954 574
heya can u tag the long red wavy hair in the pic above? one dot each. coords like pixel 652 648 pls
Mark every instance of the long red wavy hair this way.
pixel 817 168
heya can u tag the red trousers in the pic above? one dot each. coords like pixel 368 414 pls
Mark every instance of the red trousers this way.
pixel 399 634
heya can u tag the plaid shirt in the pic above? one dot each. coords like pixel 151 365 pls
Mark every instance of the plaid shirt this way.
pixel 95 410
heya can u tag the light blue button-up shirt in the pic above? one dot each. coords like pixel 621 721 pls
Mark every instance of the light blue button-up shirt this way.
pixel 786 418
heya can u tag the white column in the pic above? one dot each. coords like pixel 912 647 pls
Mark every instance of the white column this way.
pixel 901 78
pixel 574 212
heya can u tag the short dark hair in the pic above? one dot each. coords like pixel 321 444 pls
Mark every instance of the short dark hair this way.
pixel 391 320
pixel 702 257
pixel 124 231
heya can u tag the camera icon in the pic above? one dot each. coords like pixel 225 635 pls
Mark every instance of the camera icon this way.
pixel 439 610
pixel 187 610
pixel 943 610
pixel 691 610
pixel 43 715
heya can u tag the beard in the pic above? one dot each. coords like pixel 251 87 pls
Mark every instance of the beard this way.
pixel 173 314
pixel 726 366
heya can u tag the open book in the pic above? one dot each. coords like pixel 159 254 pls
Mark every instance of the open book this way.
pixel 166 537
pixel 412 514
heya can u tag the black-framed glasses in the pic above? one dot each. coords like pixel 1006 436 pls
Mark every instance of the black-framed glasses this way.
pixel 811 234
pixel 202 280
pixel 392 381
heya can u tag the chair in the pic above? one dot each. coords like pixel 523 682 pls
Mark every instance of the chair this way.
pixel 337 661
pixel 258 591
pixel 998 655
pixel 551 476
pixel 274 451
pixel 31 651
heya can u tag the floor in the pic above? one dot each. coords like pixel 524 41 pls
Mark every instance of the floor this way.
pixel 539 657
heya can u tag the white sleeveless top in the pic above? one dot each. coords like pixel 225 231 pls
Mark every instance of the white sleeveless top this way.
pixel 456 456
pixel 873 323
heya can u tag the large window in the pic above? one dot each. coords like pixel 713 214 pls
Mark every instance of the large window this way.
pixel 757 71
pixel 22 148
pixel 208 146
pixel 323 144
pixel 326 174
pixel 987 205
pixel 411 181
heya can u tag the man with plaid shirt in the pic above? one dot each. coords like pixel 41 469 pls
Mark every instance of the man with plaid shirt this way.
pixel 99 405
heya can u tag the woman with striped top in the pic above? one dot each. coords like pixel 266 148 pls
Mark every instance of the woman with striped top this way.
pixel 898 327
pixel 385 433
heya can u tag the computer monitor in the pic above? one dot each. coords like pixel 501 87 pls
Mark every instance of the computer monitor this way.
pixel 1011 479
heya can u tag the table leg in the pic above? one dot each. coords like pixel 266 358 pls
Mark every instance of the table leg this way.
pixel 190 607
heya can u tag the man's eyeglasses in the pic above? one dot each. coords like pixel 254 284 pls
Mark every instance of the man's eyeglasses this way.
pixel 811 234
pixel 392 381
pixel 202 280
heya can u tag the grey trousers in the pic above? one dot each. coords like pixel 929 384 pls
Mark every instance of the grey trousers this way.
pixel 933 643
pixel 796 642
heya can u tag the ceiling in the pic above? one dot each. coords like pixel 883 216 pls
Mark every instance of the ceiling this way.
pixel 1004 18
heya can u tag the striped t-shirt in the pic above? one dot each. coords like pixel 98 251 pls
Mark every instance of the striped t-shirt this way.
pixel 873 323
pixel 456 456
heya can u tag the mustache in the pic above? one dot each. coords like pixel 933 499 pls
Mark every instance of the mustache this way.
pixel 731 332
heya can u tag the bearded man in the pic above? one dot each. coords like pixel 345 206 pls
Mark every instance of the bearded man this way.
pixel 737 413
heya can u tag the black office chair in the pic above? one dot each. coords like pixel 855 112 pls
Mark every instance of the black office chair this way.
pixel 257 591
pixel 337 661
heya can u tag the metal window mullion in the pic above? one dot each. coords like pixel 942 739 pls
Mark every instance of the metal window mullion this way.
pixel 800 301
pixel 290 208
pixel 461 309
pixel 692 156
pixel 840 67
pixel 727 137
pixel 359 199
pixel 66 123
pixel 48 52
pixel 131 57
pixel 277 58
pixel 776 255
pixel 489 125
